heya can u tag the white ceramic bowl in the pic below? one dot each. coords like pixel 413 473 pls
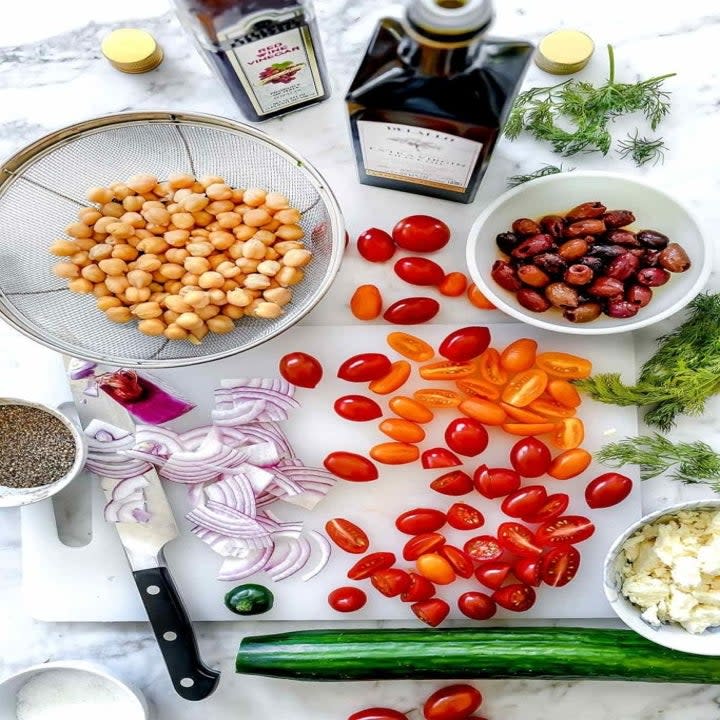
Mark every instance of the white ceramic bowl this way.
pixel 653 208
pixel 669 635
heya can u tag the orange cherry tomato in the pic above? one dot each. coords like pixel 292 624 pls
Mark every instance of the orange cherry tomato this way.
pixel 568 434
pixel 453 285
pixel 475 387
pixel 522 415
pixel 410 409
pixel 435 568
pixel 564 365
pixel 410 346
pixel 529 428
pixel 482 410
pixel 525 387
pixel 394 453
pixel 550 409
pixel 396 378
pixel 402 430
pixel 475 296
pixel 366 302
pixel 488 365
pixel 438 397
pixel 447 370
pixel 563 392
pixel 519 355
pixel 569 464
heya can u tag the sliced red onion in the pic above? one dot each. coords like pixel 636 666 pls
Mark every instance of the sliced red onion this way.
pixel 226 546
pixel 107 438
pixel 239 402
pixel 307 499
pixel 262 454
pixel 126 468
pixel 300 474
pixel 265 432
pixel 237 568
pixel 259 478
pixel 91 388
pixel 80 369
pixel 127 487
pixel 129 504
pixel 295 561
pixel 231 523
pixel 324 546
pixel 234 491
pixel 196 494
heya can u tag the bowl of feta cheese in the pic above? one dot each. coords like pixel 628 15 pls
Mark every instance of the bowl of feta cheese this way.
pixel 662 577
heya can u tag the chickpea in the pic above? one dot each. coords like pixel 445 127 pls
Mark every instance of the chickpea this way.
pixel 256 281
pixel 239 297
pixel 113 266
pixel 133 203
pixel 80 285
pixel 198 333
pixel 285 245
pixel 269 267
pixel 156 216
pixel 138 295
pixel 197 299
pixel 217 296
pixel 199 233
pixel 149 262
pixel 246 265
pixel 254 197
pixel 289 276
pixel 85 243
pixel 190 279
pixel 296 258
pixel 112 209
pixel 99 195
pixel 208 180
pixel 276 201
pixel 63 248
pixel 198 187
pixel 102 224
pixel 176 255
pixel 107 301
pixel 280 296
pixel 142 233
pixel 177 304
pixel 243 232
pixel 142 183
pixel 182 220
pixel 79 230
pixel 101 290
pixel 163 190
pixel 89 216
pixel 200 248
pixel 220 206
pixel 156 287
pixel 157 297
pixel 218 191
pixel 121 230
pixel 237 195
pixel 233 311
pixel 117 284
pixel 134 219
pixel 268 310
pixel 229 220
pixel 120 191
pixel 202 218
pixel 256 217
pixel 152 246
pixel 221 240
pixel 170 317
pixel 124 252
pixel 235 250
pixel 228 269
pixel 253 250
pixel 180 180
pixel 99 237
pixel 151 327
pixel 207 312
pixel 290 232
pixel 147 310
pixel 175 332
pixel 229 285
pixel 66 270
pixel 189 320
pixel 194 202
pixel 271 254
pixel 289 216
pixel 118 314
pixel 265 237
pixel 172 271
pixel 211 279
pixel 272 226
pixel 176 238
pixel 173 287
pixel 93 273
pixel 220 324
pixel 196 265
pixel 139 278
pixel 80 258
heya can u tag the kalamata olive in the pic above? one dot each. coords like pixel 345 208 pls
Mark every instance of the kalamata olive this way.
pixel 674 258
pixel 585 227
pixel 649 258
pixel 583 296
pixel 505 276
pixel 551 263
pixel 507 241
pixel 607 252
pixel 583 313
pixel 534 245
pixel 561 295
pixel 652 277
pixel 618 218
pixel 623 266
pixel 553 225
pixel 573 249
pixel 532 300
pixel 578 275
pixel 638 252
pixel 525 226
pixel 606 287
pixel 532 275
pixel 653 239
pixel 586 211
pixel 619 308
pixel 594 263
pixel 623 237
pixel 639 295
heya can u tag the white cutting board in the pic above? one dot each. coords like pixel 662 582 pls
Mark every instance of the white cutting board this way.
pixel 92 583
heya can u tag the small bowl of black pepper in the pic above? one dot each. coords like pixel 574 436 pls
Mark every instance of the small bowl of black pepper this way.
pixel 41 451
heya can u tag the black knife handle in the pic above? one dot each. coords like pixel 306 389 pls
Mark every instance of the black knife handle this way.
pixel 192 679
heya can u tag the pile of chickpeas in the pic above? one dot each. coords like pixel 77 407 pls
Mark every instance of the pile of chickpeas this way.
pixel 186 256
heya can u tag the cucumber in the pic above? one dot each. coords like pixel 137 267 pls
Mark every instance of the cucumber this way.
pixel 568 653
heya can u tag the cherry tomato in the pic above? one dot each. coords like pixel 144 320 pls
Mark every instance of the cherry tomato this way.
pixel 495 482
pixel 357 408
pixel 350 466
pixel 569 464
pixel 569 434
pixel 517 597
pixel 560 566
pixel 422 544
pixel 483 411
pixel 438 398
pixel 465 344
pixel 347 535
pixel 493 574
pixel 524 501
pixel 478 299
pixel 517 539
pixel 431 612
pixel 460 562
pixel 466 436
pixel 420 589
pixel 370 564
pixel 564 530
pixel 394 453
pixel 364 367
pixel 522 415
pixel 551 409
pixel 530 457
pixel 439 457
pixel 529 428
pixel 564 365
pixel 420 520
pixel 563 392
pixel 366 302
pixel 525 387
pixel 376 245
pixel 347 599
pixel 378 713
pixel 453 483
pixel 475 387
pixel 454 284
pixel 483 548
pixel 555 505
pixel 528 571
pixel 411 347
pixel 402 430
pixel 519 355
pixel 409 409
pixel 390 582
pixel 477 605
pixel 396 378
pixel 419 271
pixel 435 568
pixel 301 369
pixel 421 233
pixel 454 702
pixel 412 311
pixel 489 367
pixel 464 517
pixel 607 490
pixel 446 370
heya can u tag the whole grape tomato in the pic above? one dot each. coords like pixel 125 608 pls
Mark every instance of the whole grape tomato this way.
pixel 301 369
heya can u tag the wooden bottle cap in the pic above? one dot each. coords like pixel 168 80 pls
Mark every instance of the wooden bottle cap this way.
pixel 132 51
pixel 564 51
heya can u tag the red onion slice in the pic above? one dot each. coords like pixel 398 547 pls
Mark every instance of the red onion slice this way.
pixel 324 546
pixel 295 561
pixel 237 568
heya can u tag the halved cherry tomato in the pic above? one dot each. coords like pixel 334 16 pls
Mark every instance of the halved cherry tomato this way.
pixel 569 464
pixel 431 612
pixel 493 574
pixel 563 392
pixel 421 544
pixel 464 517
pixel 350 466
pixel 439 457
pixel 455 702
pixel 347 599
pixel 477 605
pixel 519 355
pixel 301 369
pixel 420 520
pixel 421 233
pixel 551 409
pixel 522 415
pixel 529 428
pixel 419 271
pixel 478 299
pixel 390 582
pixel 454 284
pixel 438 398
pixel 402 430
pixel 475 387
pixel 364 367
pixel 357 408
pixel 466 436
pixel 420 589
pixel 517 597
pixel 412 311
pixel 465 344
pixel 564 365
pixel 560 566
pixel 517 539
pixel 376 245
pixel 409 409
pixel 378 713
pixel 371 563
pixel 396 378
pixel 530 457
pixel 435 568
pixel 347 535
pixel 394 453
pixel 524 501
pixel 410 346
pixel 483 548
pixel 366 302
pixel 453 483
pixel 564 530
pixel 488 366
pixel 525 387
pixel 483 411
pixel 528 571
pixel 495 482
pixel 607 490
pixel 461 563
pixel 446 370
pixel 568 434
pixel 555 505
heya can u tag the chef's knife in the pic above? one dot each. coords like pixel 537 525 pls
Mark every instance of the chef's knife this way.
pixel 143 544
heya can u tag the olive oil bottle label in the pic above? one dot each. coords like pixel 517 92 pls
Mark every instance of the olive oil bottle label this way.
pixel 417 155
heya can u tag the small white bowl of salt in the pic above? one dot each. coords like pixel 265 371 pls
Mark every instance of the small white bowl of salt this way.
pixel 69 690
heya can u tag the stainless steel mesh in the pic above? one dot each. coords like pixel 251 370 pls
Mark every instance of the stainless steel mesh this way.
pixel 43 186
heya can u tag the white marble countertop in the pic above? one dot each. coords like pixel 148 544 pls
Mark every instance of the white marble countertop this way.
pixel 52 74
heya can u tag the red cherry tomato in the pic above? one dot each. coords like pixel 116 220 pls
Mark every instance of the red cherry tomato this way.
pixel 495 482
pixel 376 245
pixel 560 565
pixel 466 436
pixel 518 539
pixel 412 311
pixel 493 574
pixel 455 702
pixel 420 520
pixel 453 285
pixel 553 507
pixel 301 369
pixel 370 564
pixel 453 483
pixel 461 563
pixel 357 408
pixel 464 517
pixel 347 535
pixel 419 271
pixel 431 612
pixel 483 548
pixel 564 530
pixel 477 605
pixel 524 501
pixel 517 597
pixel 350 466
pixel 528 570
pixel 421 233
pixel 347 599
pixel 530 457
pixel 390 582
pixel 422 544
pixel 435 568
pixel 465 344
pixel 378 713
pixel 607 490
pixel 439 457
pixel 364 367
pixel 420 589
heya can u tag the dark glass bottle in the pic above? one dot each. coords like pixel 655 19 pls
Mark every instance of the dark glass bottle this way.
pixel 267 52
pixel 429 100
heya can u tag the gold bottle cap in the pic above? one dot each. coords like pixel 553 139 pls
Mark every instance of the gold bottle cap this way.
pixel 132 51
pixel 564 51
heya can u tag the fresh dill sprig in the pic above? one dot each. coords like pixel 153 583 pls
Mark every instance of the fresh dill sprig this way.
pixel 642 149
pixel 515 180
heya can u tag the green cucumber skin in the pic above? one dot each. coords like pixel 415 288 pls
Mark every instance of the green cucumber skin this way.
pixel 542 653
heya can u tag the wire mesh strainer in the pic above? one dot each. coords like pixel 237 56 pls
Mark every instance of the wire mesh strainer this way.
pixel 43 186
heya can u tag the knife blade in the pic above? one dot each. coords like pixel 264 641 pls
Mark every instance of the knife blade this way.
pixel 143 544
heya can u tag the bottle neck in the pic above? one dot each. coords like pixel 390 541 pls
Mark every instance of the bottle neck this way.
pixel 442 55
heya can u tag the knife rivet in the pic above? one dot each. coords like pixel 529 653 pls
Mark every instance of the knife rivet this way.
pixel 169 636
pixel 152 590
pixel 187 682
